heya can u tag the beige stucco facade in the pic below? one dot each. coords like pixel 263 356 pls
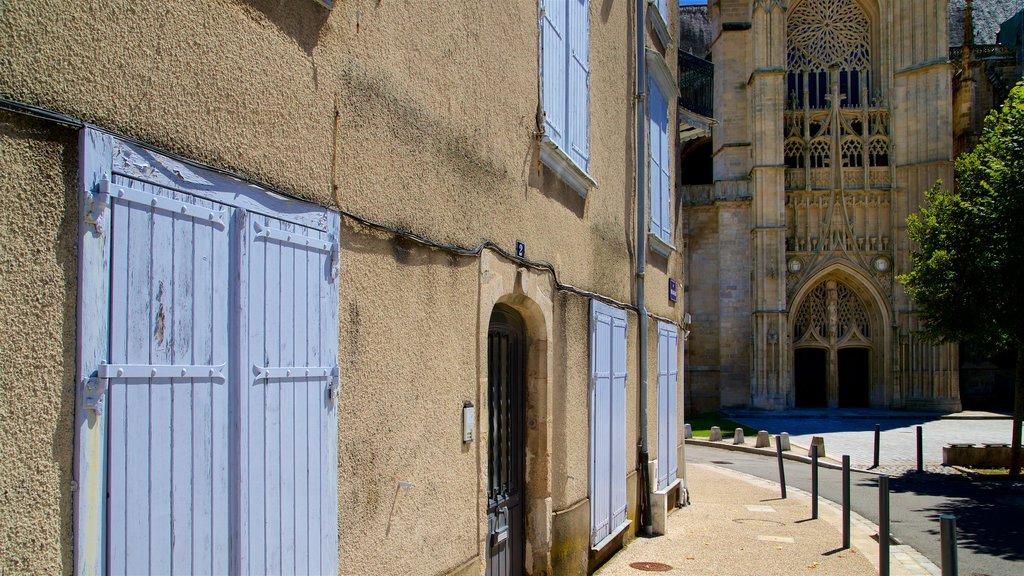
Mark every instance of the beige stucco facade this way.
pixel 833 118
pixel 421 117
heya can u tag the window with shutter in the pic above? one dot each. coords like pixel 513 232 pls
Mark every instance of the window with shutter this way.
pixel 658 157
pixel 607 422
pixel 668 413
pixel 208 362
pixel 565 88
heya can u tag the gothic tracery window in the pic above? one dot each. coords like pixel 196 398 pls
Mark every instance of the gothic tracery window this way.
pixel 824 34
pixel 832 313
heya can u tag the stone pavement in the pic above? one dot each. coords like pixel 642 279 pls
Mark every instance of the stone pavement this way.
pixel 736 525
pixel 852 432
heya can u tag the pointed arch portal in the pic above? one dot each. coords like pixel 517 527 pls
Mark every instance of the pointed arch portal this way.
pixel 833 347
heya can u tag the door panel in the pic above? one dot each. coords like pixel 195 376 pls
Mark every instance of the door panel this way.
pixel 854 377
pixel 811 377
pixel 288 455
pixel 506 363
pixel 168 434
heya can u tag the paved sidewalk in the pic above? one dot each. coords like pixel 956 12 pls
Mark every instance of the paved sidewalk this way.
pixel 736 525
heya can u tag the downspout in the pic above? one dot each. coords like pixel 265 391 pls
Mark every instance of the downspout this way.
pixel 641 261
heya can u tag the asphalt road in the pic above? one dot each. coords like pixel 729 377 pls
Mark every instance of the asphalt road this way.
pixel 989 515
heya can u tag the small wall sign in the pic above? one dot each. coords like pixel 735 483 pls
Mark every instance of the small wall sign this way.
pixel 672 290
pixel 520 249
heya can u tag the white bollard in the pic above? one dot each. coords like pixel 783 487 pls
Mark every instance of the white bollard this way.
pixel 737 437
pixel 784 440
pixel 687 431
pixel 762 440
pixel 716 434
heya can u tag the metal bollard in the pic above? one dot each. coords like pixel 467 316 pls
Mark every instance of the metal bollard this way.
pixel 878 443
pixel 949 561
pixel 883 526
pixel 814 481
pixel 846 501
pixel 920 451
pixel 782 469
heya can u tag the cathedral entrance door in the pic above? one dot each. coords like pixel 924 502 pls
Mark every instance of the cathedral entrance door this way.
pixel 854 377
pixel 811 377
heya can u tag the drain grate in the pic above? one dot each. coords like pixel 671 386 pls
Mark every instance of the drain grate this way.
pixel 651 566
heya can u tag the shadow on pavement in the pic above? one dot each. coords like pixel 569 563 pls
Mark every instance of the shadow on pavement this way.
pixel 988 514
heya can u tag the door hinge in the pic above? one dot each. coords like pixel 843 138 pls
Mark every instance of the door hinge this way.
pixel 95 389
pixel 99 204
pixel 95 386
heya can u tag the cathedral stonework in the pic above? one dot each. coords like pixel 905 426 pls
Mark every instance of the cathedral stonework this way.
pixel 832 119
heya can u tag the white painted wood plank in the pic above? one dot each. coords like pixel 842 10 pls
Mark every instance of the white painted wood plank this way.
pixel 287 390
pixel 137 448
pixel 117 533
pixel 205 281
pixel 618 420
pixel 314 407
pixel 330 470
pixel 272 347
pixel 90 469
pixel 186 299
pixel 219 269
pixel 160 352
pixel 255 431
pixel 240 394
pixel 303 389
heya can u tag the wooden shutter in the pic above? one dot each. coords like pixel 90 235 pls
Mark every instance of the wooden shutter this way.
pixel 579 83
pixel 668 376
pixel 660 196
pixel 168 393
pixel 288 464
pixel 554 44
pixel 607 420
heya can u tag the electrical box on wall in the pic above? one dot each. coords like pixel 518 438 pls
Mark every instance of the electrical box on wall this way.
pixel 468 422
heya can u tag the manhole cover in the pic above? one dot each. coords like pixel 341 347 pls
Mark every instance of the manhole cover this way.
pixel 725 462
pixel 758 521
pixel 651 566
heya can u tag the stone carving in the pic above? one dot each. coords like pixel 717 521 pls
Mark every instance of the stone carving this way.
pixel 832 314
pixel 823 33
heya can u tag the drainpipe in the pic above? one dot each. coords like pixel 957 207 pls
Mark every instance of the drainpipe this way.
pixel 641 259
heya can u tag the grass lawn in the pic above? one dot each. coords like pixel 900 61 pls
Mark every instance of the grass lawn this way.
pixel 702 423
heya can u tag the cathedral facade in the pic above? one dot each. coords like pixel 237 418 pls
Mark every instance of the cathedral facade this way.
pixel 831 120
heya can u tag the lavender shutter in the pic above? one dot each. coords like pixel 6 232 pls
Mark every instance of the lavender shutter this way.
pixel 288 448
pixel 618 435
pixel 554 45
pixel 608 420
pixel 601 429
pixel 668 375
pixel 168 398
pixel 657 112
pixel 673 402
pixel 579 83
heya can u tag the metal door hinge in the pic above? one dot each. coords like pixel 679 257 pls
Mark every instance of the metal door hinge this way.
pixel 99 202
pixel 329 373
pixel 95 389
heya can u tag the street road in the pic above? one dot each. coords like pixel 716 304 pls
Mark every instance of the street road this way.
pixel 989 515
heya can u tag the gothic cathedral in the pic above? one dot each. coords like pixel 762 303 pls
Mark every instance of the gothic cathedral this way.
pixel 831 118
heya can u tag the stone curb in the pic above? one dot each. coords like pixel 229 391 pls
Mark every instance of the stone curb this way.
pixel 824 462
pixel 739 416
pixel 903 560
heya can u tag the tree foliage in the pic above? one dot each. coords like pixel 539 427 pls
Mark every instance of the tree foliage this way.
pixel 968 269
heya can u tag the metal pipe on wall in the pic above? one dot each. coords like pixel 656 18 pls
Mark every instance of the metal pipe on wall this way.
pixel 640 251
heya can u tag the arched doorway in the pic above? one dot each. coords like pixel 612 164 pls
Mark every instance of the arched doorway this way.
pixel 506 449
pixel 833 350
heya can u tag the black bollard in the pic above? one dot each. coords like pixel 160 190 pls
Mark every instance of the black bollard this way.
pixel 878 443
pixel 814 481
pixel 920 450
pixel 782 469
pixel 883 526
pixel 846 501
pixel 949 562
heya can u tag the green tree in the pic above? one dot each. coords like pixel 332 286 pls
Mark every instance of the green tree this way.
pixel 968 270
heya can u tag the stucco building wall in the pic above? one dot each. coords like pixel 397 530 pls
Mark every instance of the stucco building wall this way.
pixel 39 224
pixel 421 117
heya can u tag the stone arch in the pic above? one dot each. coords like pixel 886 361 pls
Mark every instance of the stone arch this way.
pixel 837 309
pixel 530 294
